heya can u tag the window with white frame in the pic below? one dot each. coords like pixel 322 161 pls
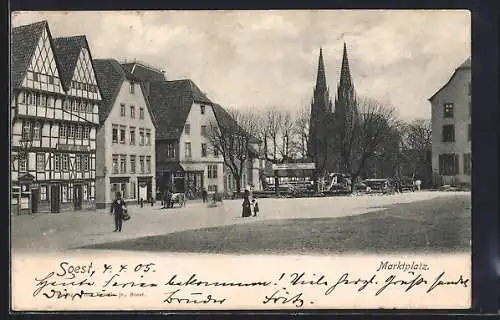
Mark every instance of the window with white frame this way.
pixel 141 136
pixel 187 128
pixel 62 130
pixel 132 164
pixel 78 162
pixel 64 189
pixel 57 162
pixel 43 193
pixel 115 163
pixel 115 134
pixel 141 163
pixel 187 149
pixel 26 130
pixel 71 131
pixel 141 113
pixel 132 87
pixel 132 112
pixel 86 132
pixel 85 192
pixel 203 150
pixel 212 171
pixel 23 164
pixel 202 109
pixel 123 130
pixel 123 163
pixel 36 131
pixel 122 110
pixel 40 162
pixel 65 162
pixel 132 135
pixel 86 162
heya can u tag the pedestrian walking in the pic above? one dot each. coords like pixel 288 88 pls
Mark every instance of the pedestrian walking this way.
pixel 204 195
pixel 246 211
pixel 118 207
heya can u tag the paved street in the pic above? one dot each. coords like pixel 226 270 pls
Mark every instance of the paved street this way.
pixel 56 232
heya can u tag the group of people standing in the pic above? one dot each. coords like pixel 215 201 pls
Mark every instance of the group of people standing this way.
pixel 249 207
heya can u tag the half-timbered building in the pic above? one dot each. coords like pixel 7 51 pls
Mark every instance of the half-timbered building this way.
pixel 54 115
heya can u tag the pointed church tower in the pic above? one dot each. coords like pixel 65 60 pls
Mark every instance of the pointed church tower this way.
pixel 321 98
pixel 321 111
pixel 345 102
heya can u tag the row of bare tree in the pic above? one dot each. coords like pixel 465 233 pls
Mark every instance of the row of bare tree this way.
pixel 377 139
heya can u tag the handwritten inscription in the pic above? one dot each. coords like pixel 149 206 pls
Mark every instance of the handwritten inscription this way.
pixel 72 282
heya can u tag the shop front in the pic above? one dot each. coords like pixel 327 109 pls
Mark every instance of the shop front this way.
pixel 145 189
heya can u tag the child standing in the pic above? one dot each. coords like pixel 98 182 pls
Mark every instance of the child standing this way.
pixel 255 206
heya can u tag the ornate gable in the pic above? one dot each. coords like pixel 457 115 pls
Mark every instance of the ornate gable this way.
pixel 42 72
pixel 83 82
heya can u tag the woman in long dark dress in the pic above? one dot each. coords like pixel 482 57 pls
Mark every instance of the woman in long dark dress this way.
pixel 247 211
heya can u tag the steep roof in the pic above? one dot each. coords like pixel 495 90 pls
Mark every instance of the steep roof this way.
pixel 143 72
pixel 110 76
pixel 67 50
pixel 24 40
pixel 465 65
pixel 171 103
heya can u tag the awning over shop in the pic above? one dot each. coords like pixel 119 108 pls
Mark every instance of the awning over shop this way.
pixel 119 179
pixel 193 166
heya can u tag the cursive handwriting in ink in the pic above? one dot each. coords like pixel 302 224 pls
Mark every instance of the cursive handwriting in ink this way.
pixel 64 294
pixel 70 271
pixel 299 279
pixel 344 279
pixel 392 281
pixel 438 282
pixel 44 283
pixel 193 281
pixel 128 284
pixel 172 297
pixel 284 297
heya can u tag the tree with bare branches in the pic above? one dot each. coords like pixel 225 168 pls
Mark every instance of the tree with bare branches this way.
pixel 416 144
pixel 372 128
pixel 301 132
pixel 232 136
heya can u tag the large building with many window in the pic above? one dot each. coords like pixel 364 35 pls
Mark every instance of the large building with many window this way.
pixel 451 128
pixel 126 139
pixel 54 116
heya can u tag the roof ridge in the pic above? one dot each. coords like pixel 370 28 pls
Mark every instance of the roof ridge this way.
pixel 44 22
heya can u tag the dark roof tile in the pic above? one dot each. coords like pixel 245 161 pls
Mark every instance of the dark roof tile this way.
pixel 110 76
pixel 68 50
pixel 171 103
pixel 24 40
pixel 144 73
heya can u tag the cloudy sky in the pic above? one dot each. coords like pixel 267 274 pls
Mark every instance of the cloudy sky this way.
pixel 269 58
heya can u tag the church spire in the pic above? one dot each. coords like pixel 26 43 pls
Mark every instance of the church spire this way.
pixel 345 72
pixel 321 78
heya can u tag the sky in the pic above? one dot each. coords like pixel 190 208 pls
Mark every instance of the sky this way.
pixel 260 59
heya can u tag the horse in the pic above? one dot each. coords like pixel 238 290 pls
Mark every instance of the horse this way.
pixel 179 198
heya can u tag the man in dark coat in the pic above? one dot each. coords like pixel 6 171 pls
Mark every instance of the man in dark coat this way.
pixel 204 195
pixel 117 208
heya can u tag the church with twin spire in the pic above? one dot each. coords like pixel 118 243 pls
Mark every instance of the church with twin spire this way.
pixel 330 122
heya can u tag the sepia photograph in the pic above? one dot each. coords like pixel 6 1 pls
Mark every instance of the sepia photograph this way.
pixel 271 159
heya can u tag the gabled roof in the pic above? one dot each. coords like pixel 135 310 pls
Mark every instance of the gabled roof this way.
pixel 143 72
pixel 24 40
pixel 110 76
pixel 171 103
pixel 465 65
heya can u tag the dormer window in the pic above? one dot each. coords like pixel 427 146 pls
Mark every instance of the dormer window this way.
pixel 132 87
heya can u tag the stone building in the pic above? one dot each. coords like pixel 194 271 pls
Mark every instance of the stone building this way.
pixel 126 157
pixel 451 128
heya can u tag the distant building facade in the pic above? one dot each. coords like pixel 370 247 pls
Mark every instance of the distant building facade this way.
pixel 451 128
pixel 54 118
pixel 126 157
